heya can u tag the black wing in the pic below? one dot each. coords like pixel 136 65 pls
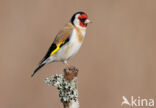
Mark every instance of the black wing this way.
pixel 52 48
pixel 41 64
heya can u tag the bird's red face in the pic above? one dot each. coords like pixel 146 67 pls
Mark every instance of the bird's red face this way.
pixel 80 20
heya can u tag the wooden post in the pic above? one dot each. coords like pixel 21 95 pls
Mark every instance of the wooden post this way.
pixel 67 87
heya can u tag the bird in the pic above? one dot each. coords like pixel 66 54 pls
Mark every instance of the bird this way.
pixel 67 41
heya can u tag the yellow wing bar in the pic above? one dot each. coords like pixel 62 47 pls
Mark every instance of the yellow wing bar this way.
pixel 57 48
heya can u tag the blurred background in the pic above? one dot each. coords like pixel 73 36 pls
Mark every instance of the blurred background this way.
pixel 118 57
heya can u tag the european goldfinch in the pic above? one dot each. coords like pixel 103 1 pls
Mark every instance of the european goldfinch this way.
pixel 67 42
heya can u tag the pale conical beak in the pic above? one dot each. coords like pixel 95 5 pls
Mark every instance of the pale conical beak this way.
pixel 87 21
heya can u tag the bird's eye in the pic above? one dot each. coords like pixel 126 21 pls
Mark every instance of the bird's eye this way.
pixel 82 19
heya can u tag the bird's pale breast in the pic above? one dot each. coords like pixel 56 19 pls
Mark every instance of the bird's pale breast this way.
pixel 71 48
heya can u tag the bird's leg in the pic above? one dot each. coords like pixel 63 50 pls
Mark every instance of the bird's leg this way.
pixel 66 63
pixel 70 67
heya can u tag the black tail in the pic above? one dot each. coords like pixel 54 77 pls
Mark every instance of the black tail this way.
pixel 41 65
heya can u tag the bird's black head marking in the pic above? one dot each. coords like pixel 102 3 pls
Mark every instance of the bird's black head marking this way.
pixel 73 17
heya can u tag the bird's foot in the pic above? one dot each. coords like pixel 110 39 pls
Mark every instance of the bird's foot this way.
pixel 70 72
pixel 70 67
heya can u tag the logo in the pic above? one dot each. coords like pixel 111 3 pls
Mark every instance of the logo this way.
pixel 133 102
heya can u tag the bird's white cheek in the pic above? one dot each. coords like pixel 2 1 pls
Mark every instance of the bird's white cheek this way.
pixel 76 22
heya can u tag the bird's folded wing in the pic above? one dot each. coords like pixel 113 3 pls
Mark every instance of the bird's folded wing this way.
pixel 61 39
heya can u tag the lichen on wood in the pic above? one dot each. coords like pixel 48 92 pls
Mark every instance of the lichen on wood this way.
pixel 67 87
